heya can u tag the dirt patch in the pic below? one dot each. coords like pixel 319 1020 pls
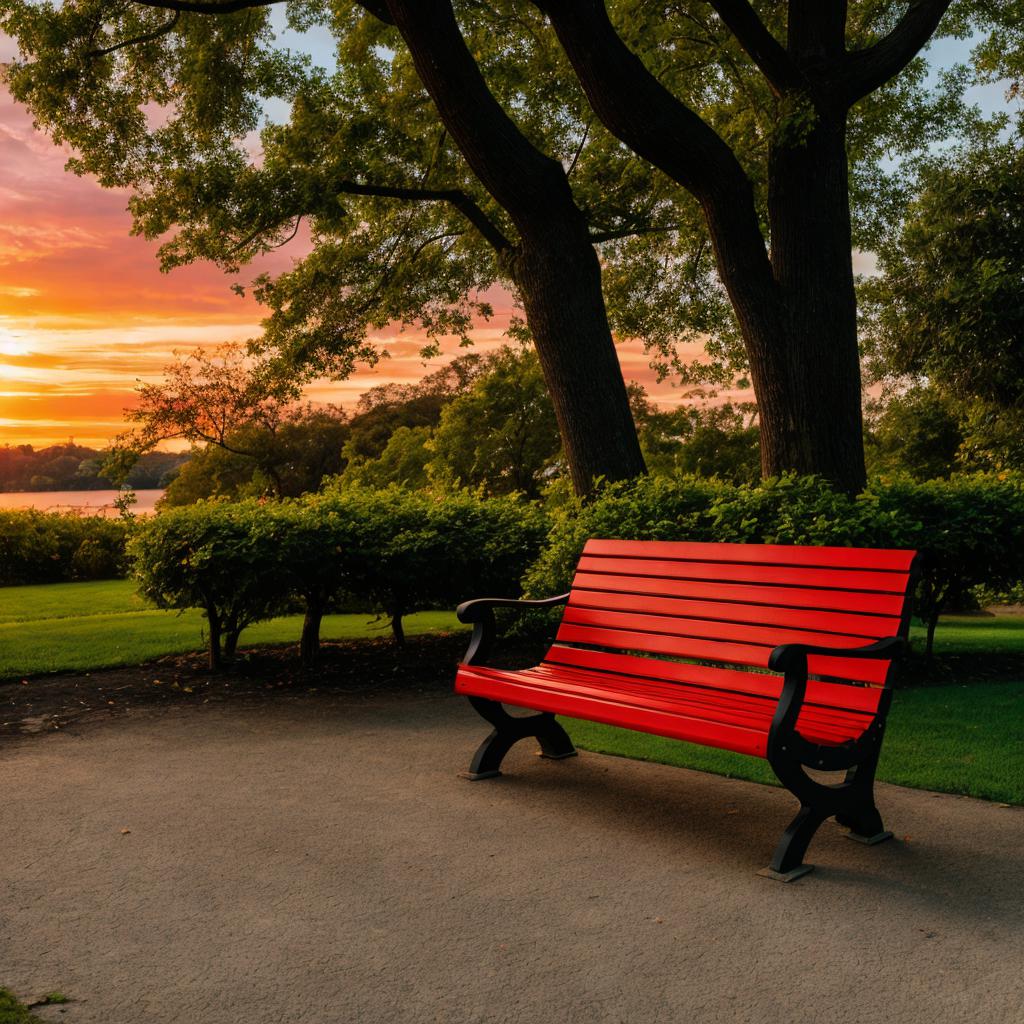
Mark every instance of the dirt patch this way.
pixel 425 664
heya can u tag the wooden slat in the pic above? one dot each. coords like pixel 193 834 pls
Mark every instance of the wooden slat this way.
pixel 870 627
pixel 500 688
pixel 677 626
pixel 744 730
pixel 718 704
pixel 793 597
pixel 755 655
pixel 839 695
pixel 891 559
pixel 825 725
pixel 796 576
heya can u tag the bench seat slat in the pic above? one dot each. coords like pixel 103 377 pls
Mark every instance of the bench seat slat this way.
pixel 699 718
pixel 796 576
pixel 873 627
pixel 756 710
pixel 504 688
pixel 838 695
pixel 763 594
pixel 775 554
pixel 685 628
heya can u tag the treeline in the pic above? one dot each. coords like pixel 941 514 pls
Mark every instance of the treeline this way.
pixel 73 467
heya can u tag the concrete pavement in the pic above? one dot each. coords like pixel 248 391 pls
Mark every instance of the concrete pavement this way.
pixel 321 862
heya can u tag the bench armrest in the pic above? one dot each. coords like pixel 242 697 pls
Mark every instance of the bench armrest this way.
pixel 792 660
pixel 793 655
pixel 480 612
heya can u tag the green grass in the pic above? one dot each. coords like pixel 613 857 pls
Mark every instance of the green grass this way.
pixel 14 1012
pixel 975 634
pixel 63 627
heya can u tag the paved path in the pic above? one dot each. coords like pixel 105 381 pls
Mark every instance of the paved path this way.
pixel 322 863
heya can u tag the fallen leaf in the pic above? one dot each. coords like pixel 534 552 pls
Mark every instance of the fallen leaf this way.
pixel 126 831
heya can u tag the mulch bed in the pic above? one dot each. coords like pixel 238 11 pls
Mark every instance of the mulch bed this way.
pixel 261 675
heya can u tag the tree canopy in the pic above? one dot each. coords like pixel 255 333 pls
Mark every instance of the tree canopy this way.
pixel 408 219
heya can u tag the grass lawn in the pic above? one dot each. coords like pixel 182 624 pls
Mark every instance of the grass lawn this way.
pixel 61 627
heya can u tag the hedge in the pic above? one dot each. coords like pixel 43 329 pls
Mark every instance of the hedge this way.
pixel 394 550
pixel 58 547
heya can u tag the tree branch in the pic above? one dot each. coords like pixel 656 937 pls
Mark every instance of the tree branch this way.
pixel 462 202
pixel 147 38
pixel 206 6
pixel 610 236
pixel 760 45
pixel 863 71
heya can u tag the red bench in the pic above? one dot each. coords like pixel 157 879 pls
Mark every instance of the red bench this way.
pixel 675 639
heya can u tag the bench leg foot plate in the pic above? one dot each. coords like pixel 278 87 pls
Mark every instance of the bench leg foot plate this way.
pixel 878 837
pixel 477 776
pixel 558 757
pixel 786 876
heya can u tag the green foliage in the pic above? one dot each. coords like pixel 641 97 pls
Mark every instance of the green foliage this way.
pixel 13 1011
pixel 501 435
pixel 218 557
pixel 393 550
pixel 918 433
pixel 49 547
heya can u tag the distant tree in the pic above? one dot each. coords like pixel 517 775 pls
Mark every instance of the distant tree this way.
pixel 947 309
pixel 701 439
pixel 403 461
pixel 918 432
pixel 501 435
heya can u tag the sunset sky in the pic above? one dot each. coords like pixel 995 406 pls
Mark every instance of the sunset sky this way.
pixel 85 313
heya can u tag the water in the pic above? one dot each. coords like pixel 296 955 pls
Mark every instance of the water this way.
pixel 83 502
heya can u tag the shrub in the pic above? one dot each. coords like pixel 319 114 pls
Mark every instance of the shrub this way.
pixel 56 547
pixel 407 550
pixel 220 557
pixel 970 530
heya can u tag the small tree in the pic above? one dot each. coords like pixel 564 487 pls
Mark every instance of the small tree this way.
pixel 221 558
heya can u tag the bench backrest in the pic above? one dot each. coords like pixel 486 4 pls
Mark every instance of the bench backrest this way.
pixel 732 604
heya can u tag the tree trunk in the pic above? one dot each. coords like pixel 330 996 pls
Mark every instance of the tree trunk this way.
pixel 397 630
pixel 554 265
pixel 213 623
pixel 560 283
pixel 796 309
pixel 309 645
pixel 231 642
pixel 810 406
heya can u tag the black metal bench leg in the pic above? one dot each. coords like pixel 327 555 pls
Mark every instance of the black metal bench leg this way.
pixel 788 860
pixel 508 730
pixel 863 819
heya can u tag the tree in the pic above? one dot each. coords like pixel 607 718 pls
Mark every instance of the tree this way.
pixel 918 432
pixel 784 255
pixel 756 132
pixel 248 433
pixel 501 435
pixel 948 306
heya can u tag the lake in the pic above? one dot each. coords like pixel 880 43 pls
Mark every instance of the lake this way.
pixel 85 502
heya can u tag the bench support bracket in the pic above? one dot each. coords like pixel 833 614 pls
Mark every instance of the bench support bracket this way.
pixel 851 801
pixel 509 730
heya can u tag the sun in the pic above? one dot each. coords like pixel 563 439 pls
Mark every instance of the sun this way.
pixel 12 345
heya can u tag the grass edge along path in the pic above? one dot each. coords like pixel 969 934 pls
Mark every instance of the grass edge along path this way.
pixel 13 1011
pixel 961 739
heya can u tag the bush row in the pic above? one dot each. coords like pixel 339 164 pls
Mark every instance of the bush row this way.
pixel 970 529
pixel 393 550
pixel 55 547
